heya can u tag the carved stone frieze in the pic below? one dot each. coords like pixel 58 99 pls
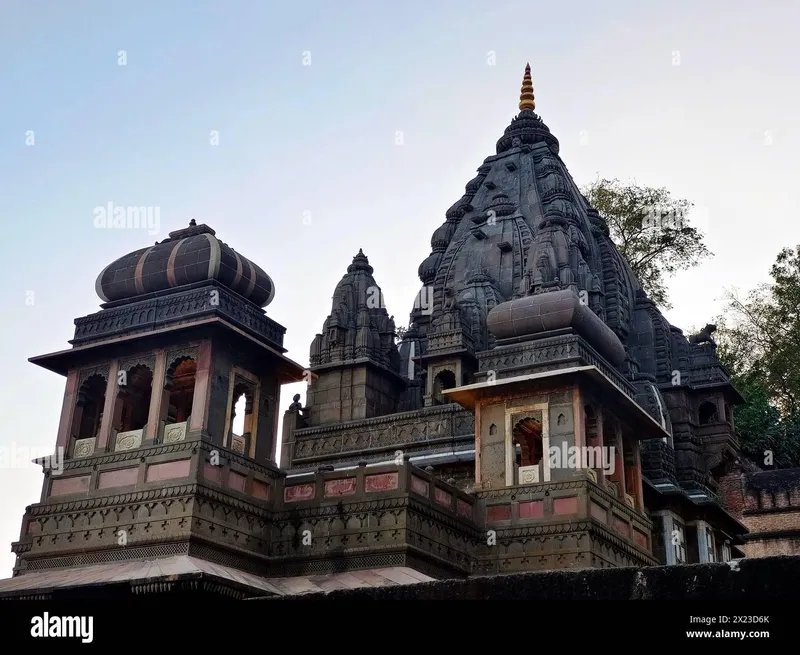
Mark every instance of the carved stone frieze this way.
pixel 176 307
pixel 145 359
pixel 428 425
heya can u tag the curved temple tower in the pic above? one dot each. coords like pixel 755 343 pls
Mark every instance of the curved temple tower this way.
pixel 538 413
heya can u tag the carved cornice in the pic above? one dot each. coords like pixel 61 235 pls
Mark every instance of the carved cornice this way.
pixel 219 496
pixel 605 534
pixel 46 509
pixel 175 307
pixel 391 419
pixel 541 353
pixel 430 425
pixel 128 455
pixel 513 533
pixel 512 492
pixel 341 509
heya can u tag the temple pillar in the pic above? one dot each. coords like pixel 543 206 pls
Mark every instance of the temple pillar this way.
pixel 112 389
pixel 65 426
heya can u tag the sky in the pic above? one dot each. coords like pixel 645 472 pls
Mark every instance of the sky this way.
pixel 304 131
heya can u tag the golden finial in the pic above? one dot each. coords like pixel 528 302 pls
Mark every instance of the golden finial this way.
pixel 526 93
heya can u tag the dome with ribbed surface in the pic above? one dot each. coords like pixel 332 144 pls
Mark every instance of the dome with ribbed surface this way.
pixel 191 255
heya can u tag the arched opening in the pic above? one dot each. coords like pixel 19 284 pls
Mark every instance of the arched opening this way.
pixel 89 407
pixel 133 399
pixel 238 414
pixel 444 380
pixel 708 413
pixel 179 383
pixel 527 439
pixel 241 426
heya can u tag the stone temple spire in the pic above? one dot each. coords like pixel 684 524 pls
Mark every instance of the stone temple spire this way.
pixel 526 100
pixel 358 326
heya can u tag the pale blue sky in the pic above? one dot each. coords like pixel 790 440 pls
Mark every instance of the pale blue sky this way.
pixel 700 97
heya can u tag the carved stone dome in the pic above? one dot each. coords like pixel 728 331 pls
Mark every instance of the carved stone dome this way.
pixel 188 256
pixel 527 129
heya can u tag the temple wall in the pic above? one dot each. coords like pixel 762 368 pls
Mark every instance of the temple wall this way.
pixel 773 578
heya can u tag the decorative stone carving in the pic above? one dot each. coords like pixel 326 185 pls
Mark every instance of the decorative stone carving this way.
pixel 129 440
pixel 529 474
pixel 190 352
pixel 239 444
pixel 175 431
pixel 147 359
pixel 84 447
pixel 704 336
pixel 89 372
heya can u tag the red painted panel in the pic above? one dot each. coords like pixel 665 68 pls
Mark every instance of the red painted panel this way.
pixel 260 490
pixel 442 497
pixel 640 538
pixel 464 509
pixel 236 481
pixel 168 470
pixel 118 478
pixel 531 510
pixel 212 473
pixel 420 486
pixel 498 513
pixel 567 505
pixel 298 492
pixel 340 487
pixel 74 485
pixel 381 482
pixel 598 512
pixel 621 526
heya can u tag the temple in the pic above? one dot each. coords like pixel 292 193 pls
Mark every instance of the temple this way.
pixel 538 413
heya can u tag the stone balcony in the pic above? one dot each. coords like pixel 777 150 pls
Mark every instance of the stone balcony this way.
pixel 373 516
pixel 148 502
pixel 561 525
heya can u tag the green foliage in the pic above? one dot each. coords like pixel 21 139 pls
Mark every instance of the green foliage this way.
pixel 651 229
pixel 759 343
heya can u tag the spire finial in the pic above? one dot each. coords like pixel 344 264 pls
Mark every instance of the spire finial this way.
pixel 526 100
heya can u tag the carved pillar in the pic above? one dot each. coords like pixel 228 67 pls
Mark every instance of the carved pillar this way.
pixel 202 388
pixel 68 411
pixel 252 405
pixel 478 428
pixel 109 407
pixel 578 421
pixel 158 398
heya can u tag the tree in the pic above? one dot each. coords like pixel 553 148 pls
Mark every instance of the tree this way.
pixel 651 229
pixel 758 340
